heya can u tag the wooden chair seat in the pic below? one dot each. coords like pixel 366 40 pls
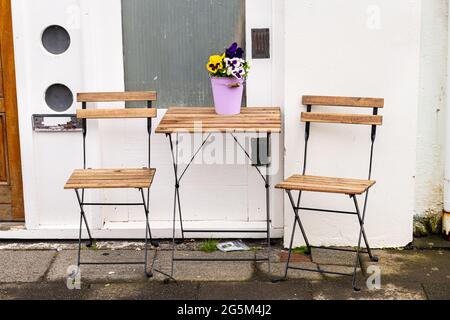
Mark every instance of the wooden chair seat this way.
pixel 110 178
pixel 326 184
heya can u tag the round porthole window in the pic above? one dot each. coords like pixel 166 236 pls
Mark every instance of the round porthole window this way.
pixel 56 39
pixel 58 97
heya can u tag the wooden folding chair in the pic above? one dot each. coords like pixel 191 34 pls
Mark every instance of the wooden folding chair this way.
pixel 349 187
pixel 125 178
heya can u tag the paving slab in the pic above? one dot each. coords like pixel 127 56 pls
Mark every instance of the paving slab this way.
pixel 256 290
pixel 24 266
pixel 278 269
pixel 39 273
pixel 100 273
pixel 40 291
pixel 421 265
pixel 113 291
pixel 143 291
pixel 334 257
pixel 437 291
pixel 206 270
pixel 341 289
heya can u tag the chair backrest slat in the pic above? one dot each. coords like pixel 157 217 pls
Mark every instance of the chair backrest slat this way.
pixel 373 120
pixel 343 101
pixel 116 96
pixel 342 118
pixel 116 113
pixel 85 114
pixel 331 101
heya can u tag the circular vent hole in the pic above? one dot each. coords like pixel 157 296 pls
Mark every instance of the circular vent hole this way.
pixel 56 39
pixel 58 97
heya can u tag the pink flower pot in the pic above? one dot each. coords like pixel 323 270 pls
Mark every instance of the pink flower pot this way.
pixel 227 93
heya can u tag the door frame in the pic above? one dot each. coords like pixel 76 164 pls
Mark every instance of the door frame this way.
pixel 10 105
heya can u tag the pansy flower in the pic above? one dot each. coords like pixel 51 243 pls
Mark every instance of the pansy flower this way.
pixel 229 64
pixel 238 73
pixel 234 51
pixel 233 63
pixel 215 63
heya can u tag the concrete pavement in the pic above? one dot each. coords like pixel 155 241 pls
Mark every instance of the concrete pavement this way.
pixel 39 271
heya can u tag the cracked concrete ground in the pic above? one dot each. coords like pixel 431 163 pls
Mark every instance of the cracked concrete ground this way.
pixel 39 271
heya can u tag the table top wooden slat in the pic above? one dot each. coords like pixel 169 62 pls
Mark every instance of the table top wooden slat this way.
pixel 205 119
pixel 326 184
pixel 110 178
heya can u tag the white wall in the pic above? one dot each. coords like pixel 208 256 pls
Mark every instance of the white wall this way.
pixel 230 196
pixel 327 47
pixel 432 101
pixel 355 48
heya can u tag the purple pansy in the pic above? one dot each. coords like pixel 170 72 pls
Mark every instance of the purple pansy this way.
pixel 239 73
pixel 234 51
pixel 233 63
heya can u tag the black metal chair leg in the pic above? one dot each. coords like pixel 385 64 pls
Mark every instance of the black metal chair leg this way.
pixel 154 243
pixel 148 236
pixel 369 250
pixel 372 257
pixel 358 248
pixel 147 233
pixel 299 222
pixel 290 249
pixel 147 273
pixel 91 241
pixel 296 222
pixel 79 241
pixel 83 217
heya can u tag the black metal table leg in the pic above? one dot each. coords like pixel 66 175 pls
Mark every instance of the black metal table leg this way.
pixel 147 232
pixel 175 197
pixel 177 201
pixel 267 186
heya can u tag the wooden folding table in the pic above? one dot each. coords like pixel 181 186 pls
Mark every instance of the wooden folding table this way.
pixel 205 121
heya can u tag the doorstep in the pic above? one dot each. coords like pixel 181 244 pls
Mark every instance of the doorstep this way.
pixel 12 226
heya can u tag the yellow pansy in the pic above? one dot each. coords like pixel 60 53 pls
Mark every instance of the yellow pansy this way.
pixel 215 63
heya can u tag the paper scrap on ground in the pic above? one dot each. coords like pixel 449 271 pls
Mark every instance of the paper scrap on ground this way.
pixel 229 246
